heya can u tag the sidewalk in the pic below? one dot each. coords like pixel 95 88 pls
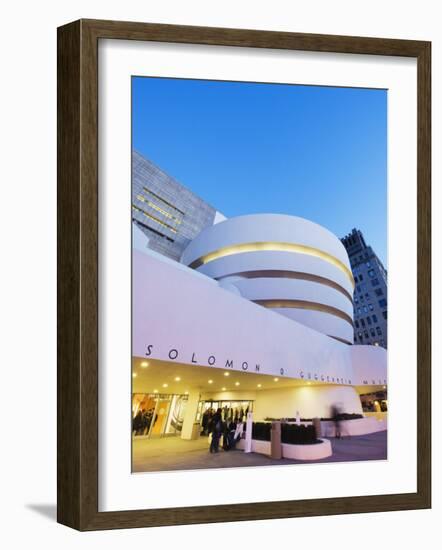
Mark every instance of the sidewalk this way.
pixel 178 454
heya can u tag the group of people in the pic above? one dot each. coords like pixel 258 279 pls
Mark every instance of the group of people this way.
pixel 214 425
pixel 142 421
pixel 228 414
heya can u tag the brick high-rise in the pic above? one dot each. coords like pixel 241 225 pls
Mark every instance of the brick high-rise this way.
pixel 370 295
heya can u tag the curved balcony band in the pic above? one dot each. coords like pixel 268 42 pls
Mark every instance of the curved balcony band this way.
pixel 285 263
pixel 302 304
pixel 321 321
pixel 283 274
pixel 278 265
pixel 272 247
pixel 292 289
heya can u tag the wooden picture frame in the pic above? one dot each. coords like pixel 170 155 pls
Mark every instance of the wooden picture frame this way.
pixel 77 225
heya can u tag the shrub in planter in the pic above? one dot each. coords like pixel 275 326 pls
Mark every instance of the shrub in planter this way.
pixel 261 431
pixel 349 416
pixel 298 435
pixel 341 416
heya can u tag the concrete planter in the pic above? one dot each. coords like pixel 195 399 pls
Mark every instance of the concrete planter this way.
pixel 307 452
pixel 258 446
pixel 294 452
pixel 262 447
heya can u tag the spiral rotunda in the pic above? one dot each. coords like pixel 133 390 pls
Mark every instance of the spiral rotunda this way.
pixel 291 265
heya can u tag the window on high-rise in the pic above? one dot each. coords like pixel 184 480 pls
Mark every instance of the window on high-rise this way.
pixel 369 320
pixel 384 314
pixel 371 272
pixel 375 318
pixel 383 303
pixel 379 292
pixel 378 330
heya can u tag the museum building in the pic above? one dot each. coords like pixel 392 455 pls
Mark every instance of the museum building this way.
pixel 257 315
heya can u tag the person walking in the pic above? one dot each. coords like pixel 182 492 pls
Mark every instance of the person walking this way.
pixel 336 417
pixel 216 429
pixel 231 430
pixel 205 422
pixel 137 422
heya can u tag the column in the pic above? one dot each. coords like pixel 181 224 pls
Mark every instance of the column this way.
pixel 190 414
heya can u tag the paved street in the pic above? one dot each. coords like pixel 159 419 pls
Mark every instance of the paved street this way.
pixel 177 454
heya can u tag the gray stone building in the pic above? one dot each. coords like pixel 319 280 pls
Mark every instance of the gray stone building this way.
pixel 370 295
pixel 168 213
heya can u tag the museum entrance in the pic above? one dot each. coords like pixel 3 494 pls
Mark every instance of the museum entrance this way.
pixel 157 415
pixel 235 410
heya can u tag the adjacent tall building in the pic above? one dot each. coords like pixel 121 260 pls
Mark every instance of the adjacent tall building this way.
pixel 168 213
pixel 370 294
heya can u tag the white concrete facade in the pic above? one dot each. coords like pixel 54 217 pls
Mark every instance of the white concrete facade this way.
pixel 285 263
pixel 265 228
pixel 208 311
pixel 206 315
pixel 309 401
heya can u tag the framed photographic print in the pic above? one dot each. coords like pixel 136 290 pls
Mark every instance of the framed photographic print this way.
pixel 243 275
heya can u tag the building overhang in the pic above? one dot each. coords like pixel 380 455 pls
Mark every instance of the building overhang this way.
pixel 183 317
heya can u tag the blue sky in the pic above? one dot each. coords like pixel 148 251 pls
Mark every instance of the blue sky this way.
pixel 310 151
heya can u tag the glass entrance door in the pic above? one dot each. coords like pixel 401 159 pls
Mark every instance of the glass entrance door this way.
pixel 175 419
pixel 230 410
pixel 156 415
pixel 160 416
